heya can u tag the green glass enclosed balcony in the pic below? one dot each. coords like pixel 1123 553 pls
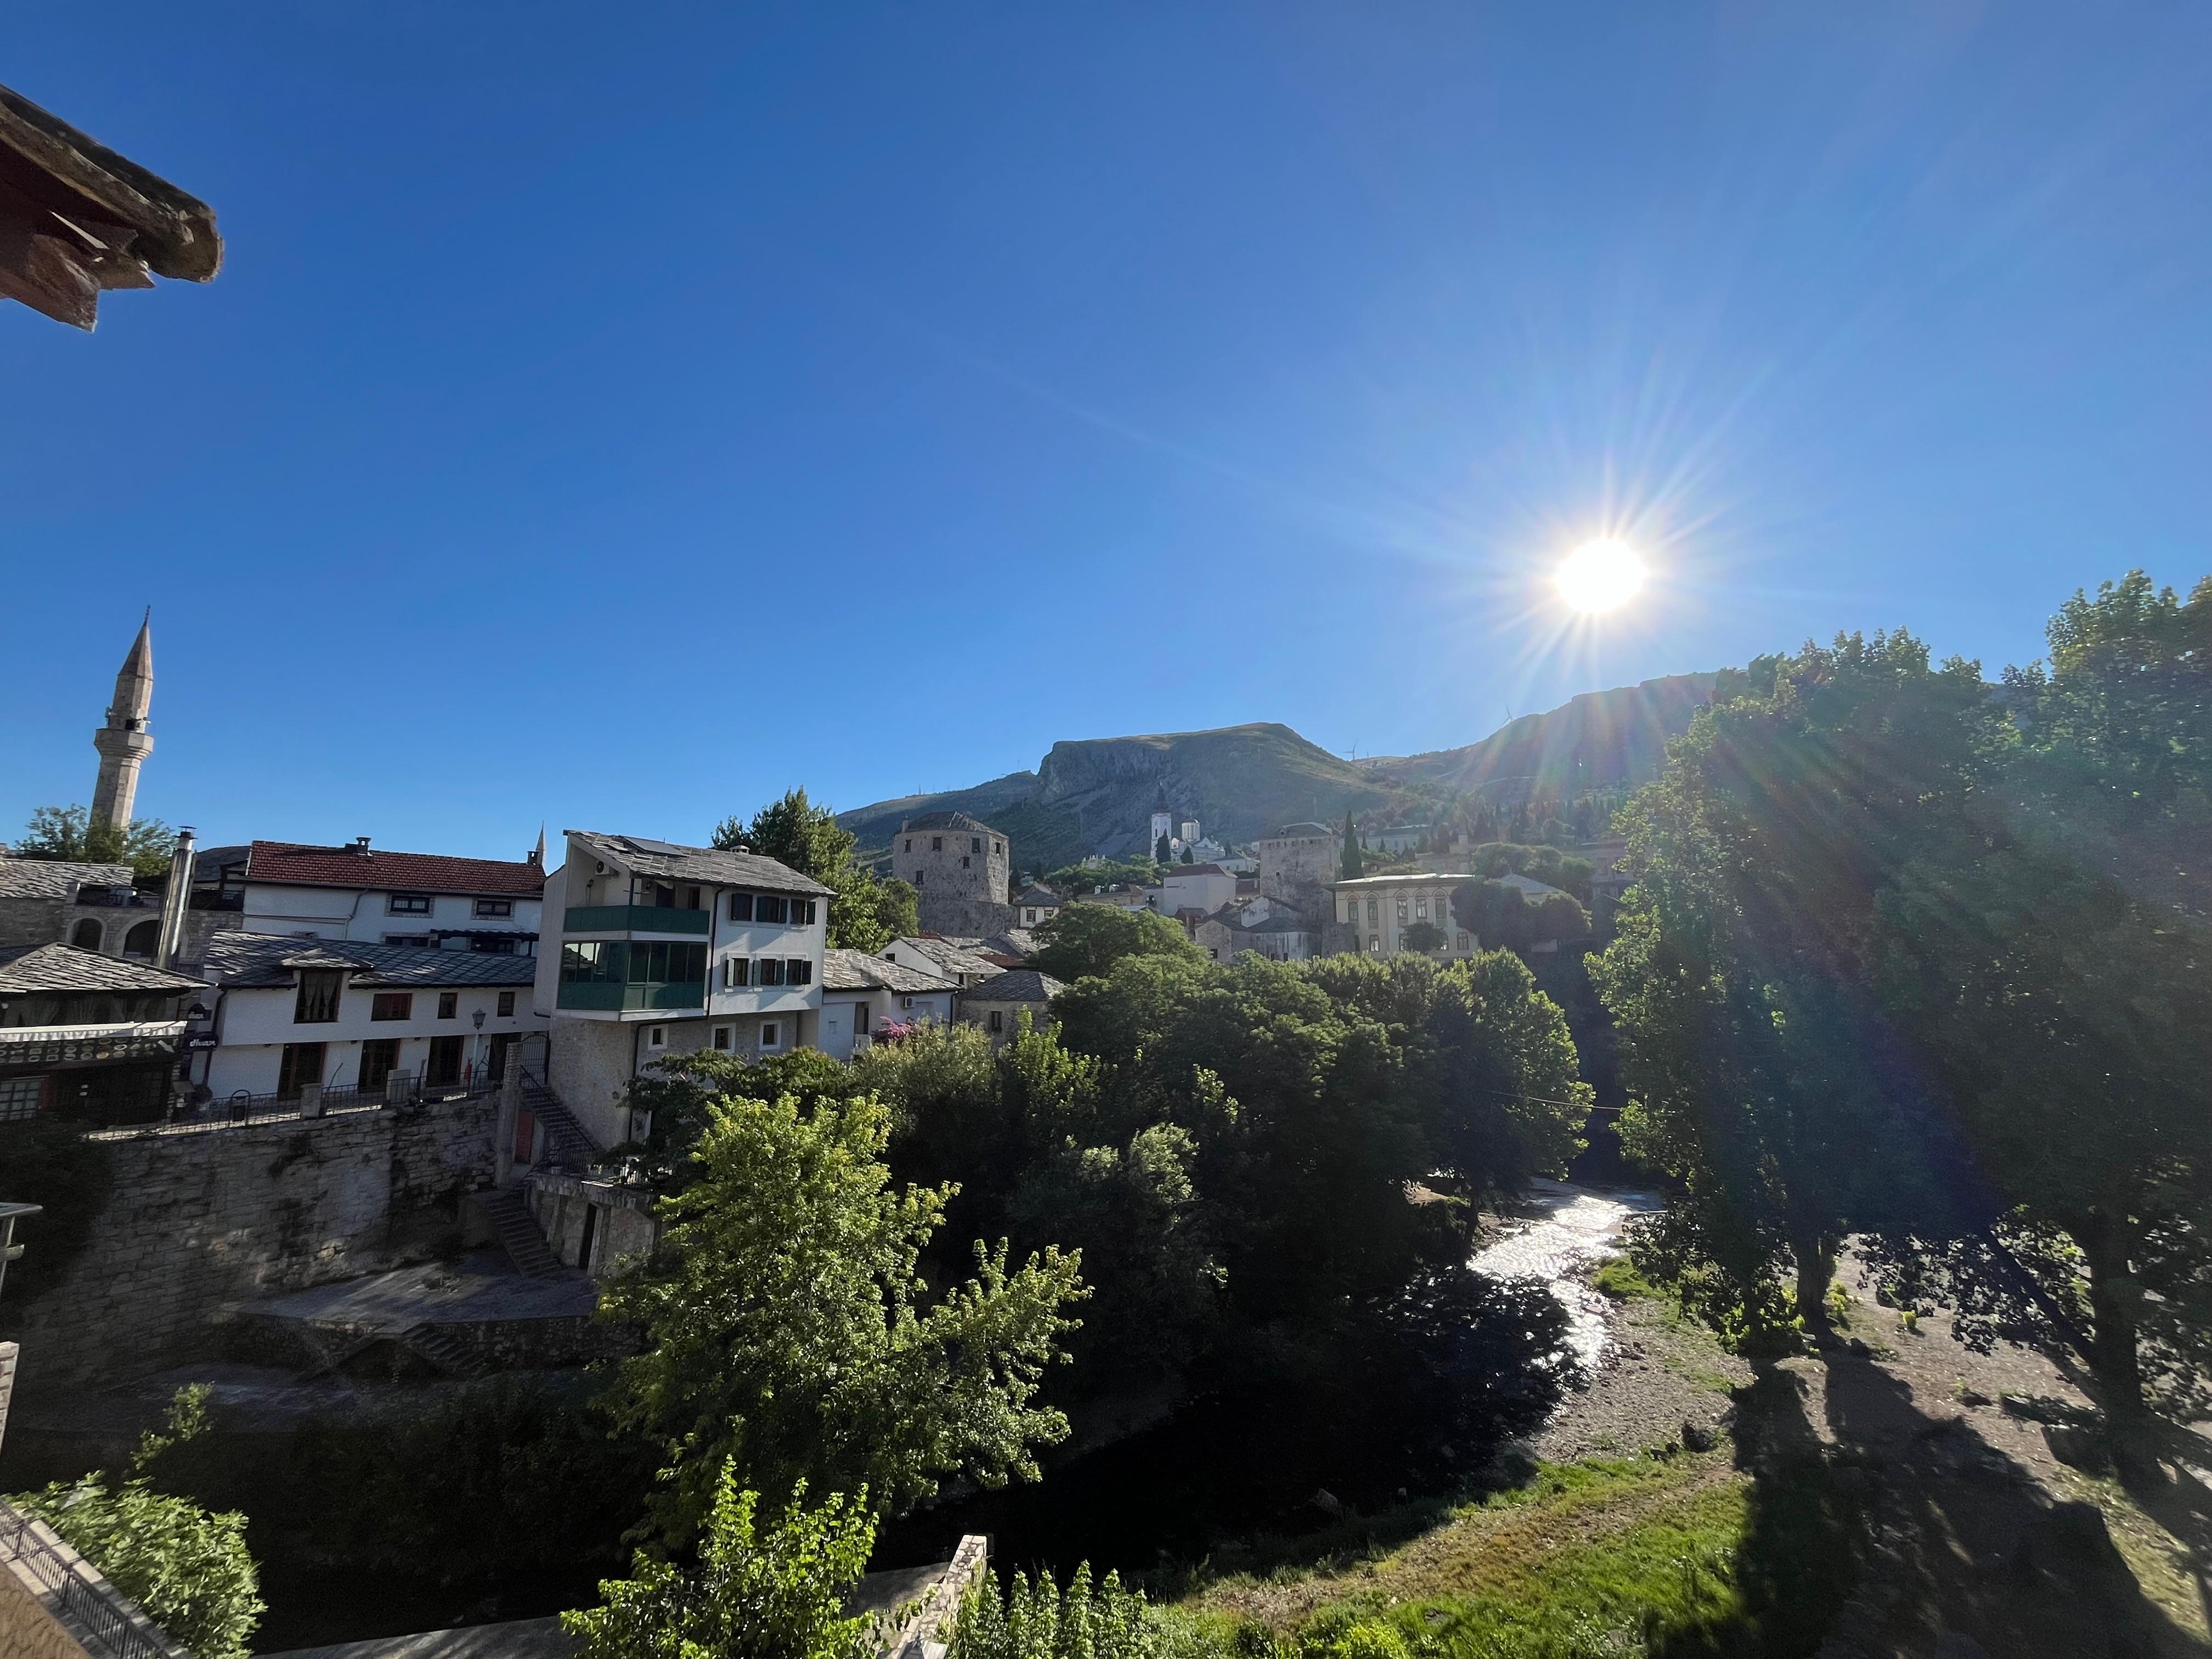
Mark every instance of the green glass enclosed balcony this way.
pixel 634 919
pixel 632 976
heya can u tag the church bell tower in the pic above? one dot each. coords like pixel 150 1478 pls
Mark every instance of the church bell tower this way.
pixel 124 743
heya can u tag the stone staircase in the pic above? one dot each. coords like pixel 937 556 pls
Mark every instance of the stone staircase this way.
pixel 567 1143
pixel 519 1234
pixel 437 1345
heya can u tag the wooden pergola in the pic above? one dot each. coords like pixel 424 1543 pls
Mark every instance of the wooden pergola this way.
pixel 75 219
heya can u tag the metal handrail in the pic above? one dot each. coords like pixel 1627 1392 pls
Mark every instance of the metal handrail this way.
pixel 98 1609
pixel 241 1109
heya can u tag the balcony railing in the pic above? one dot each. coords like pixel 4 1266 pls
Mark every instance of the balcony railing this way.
pixel 71 1587
pixel 634 919
pixel 645 997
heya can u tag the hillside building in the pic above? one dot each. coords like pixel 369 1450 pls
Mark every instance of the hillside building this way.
pixel 89 1037
pixel 1297 864
pixel 998 1004
pixel 863 995
pixel 1371 914
pixel 424 900
pixel 386 1020
pixel 961 870
pixel 656 949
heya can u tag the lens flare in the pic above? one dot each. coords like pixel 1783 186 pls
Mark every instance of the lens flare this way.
pixel 1600 575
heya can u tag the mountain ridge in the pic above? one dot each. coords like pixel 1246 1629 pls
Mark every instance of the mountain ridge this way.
pixel 1097 794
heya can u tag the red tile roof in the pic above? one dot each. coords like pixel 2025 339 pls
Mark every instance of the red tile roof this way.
pixel 406 873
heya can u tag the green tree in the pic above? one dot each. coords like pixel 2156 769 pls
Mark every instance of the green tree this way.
pixel 1188 857
pixel 1089 878
pixel 1501 918
pixel 1088 940
pixel 189 1570
pixel 777 1594
pixel 67 835
pixel 866 912
pixel 788 1328
pixel 1423 936
pixel 1162 852
pixel 1761 1073
pixel 1353 866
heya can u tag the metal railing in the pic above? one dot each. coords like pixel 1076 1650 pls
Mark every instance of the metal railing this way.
pixel 240 1108
pixel 92 1605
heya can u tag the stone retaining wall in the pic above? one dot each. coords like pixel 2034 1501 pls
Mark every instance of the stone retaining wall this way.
pixel 199 1220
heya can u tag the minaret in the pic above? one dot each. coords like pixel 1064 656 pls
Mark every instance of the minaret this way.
pixel 125 742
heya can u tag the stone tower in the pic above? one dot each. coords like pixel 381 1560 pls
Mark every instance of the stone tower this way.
pixel 125 742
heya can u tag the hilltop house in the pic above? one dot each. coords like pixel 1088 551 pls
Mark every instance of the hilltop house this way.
pixel 861 994
pixel 384 1019
pixel 1037 905
pixel 661 949
pixel 422 899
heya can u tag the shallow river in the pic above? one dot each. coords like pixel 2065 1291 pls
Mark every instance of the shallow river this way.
pixel 1573 1228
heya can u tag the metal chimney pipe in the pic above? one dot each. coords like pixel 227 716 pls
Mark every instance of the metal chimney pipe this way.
pixel 177 901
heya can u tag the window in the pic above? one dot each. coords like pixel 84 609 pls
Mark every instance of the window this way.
pixel 975 844
pixel 19 1097
pixel 495 906
pixel 910 843
pixel 802 912
pixel 1374 910
pixel 906 1002
pixel 1462 940
pixel 506 1004
pixel 735 970
pixel 770 971
pixel 801 972
pixel 449 1004
pixel 999 847
pixel 771 1035
pixel 379 1059
pixel 722 1037
pixel 691 899
pixel 997 1019
pixel 392 1004
pixel 86 937
pixel 420 941
pixel 1421 907
pixel 444 1065
pixel 918 875
pixel 741 906
pixel 1028 918
pixel 861 1016
pixel 937 843
pixel 406 904
pixel 964 861
pixel 1401 913
pixel 617 962
pixel 657 1038
pixel 318 1001
pixel 768 908
pixel 1375 943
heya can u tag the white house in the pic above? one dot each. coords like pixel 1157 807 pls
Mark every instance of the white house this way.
pixel 861 994
pixel 1035 905
pixel 1378 909
pixel 1204 888
pixel 656 949
pixel 1260 925
pixel 962 964
pixel 352 1015
pixel 421 899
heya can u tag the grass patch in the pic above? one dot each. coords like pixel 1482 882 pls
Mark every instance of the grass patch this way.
pixel 1619 1279
pixel 1672 1556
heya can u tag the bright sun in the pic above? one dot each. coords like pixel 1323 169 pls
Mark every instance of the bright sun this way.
pixel 1601 576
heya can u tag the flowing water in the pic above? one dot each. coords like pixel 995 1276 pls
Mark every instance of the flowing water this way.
pixel 1570 1229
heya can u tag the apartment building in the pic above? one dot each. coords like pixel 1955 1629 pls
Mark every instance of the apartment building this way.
pixel 425 900
pixel 655 950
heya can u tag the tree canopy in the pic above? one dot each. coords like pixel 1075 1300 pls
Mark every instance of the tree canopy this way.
pixel 1087 940
pixel 790 1332
pixel 867 911
pixel 67 834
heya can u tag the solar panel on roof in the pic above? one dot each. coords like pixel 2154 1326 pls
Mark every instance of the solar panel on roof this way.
pixel 640 844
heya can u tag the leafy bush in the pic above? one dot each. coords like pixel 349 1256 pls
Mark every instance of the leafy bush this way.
pixel 190 1570
pixel 776 1595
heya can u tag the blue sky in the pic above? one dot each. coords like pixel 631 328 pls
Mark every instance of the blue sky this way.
pixel 613 416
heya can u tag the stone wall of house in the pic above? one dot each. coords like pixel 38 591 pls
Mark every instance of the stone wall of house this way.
pixel 952 869
pixel 199 1220
pixel 941 912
